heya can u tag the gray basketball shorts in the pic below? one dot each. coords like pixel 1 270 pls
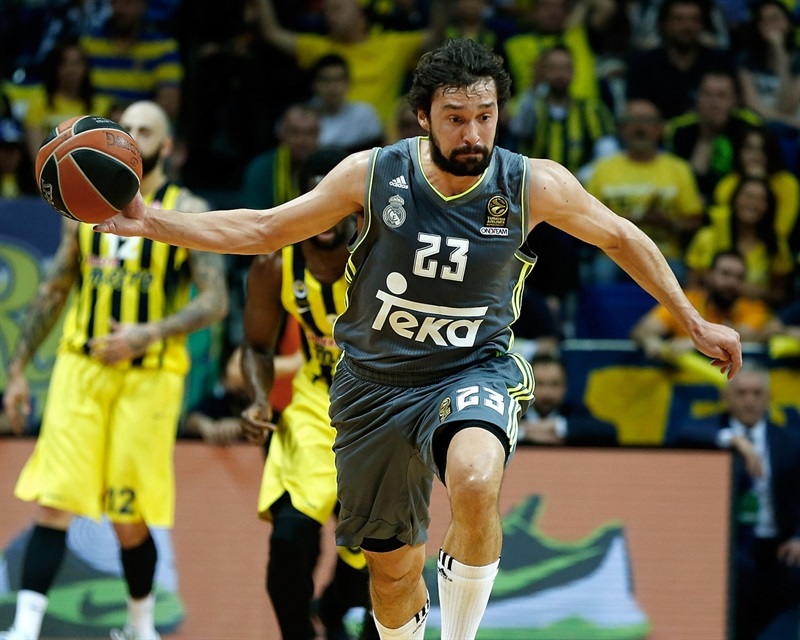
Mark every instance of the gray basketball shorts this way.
pixel 384 441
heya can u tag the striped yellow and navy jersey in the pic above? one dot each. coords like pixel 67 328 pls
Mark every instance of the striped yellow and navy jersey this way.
pixel 315 306
pixel 132 280
pixel 434 281
pixel 136 72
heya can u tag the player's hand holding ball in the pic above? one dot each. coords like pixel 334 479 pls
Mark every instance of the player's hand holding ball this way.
pixel 89 168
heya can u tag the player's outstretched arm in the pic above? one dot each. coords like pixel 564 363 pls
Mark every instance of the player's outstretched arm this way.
pixel 558 198
pixel 249 231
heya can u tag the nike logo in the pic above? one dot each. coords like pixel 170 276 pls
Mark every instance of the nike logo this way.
pixel 510 581
pixel 91 609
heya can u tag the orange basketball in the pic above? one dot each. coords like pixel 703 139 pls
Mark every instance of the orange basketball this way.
pixel 88 168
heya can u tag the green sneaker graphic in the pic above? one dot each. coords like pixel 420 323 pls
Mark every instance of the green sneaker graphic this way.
pixel 88 597
pixel 550 590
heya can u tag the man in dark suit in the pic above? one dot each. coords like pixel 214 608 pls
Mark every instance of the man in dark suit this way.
pixel 766 506
pixel 551 419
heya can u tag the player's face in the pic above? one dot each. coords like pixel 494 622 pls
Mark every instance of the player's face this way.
pixel 150 129
pixel 748 397
pixel 551 387
pixel 462 126
pixel 337 235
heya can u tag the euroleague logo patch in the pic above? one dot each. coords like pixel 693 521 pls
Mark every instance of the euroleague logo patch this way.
pixel 496 222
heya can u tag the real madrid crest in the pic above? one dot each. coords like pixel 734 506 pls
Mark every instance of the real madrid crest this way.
pixel 394 215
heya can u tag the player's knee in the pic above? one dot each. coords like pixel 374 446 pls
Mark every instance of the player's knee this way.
pixel 395 573
pixel 473 486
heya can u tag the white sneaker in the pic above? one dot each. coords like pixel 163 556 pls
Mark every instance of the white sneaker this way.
pixel 13 634
pixel 126 634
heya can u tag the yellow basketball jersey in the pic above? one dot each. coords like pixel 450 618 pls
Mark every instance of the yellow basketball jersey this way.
pixel 132 280
pixel 315 306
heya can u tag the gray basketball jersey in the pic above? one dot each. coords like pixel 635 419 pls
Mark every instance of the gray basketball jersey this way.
pixel 434 281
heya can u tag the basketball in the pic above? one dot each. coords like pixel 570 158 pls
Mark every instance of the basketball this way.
pixel 88 168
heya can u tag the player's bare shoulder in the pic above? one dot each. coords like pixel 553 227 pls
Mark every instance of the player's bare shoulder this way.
pixel 346 180
pixel 554 191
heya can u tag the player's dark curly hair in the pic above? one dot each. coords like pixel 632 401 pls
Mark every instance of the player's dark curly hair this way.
pixel 457 64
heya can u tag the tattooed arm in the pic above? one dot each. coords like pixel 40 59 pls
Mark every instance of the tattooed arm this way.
pixel 128 341
pixel 42 314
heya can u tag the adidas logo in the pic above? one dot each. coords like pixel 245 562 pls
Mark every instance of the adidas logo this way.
pixel 399 182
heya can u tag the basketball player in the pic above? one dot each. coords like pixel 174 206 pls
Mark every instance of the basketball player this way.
pixel 108 430
pixel 298 489
pixel 426 384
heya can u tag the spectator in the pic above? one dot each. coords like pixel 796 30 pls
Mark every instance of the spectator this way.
pixel 609 28
pixel 379 61
pixel 477 20
pixel 344 123
pixel 766 502
pixel 130 61
pixel 747 226
pixel 16 166
pixel 645 17
pixel 405 123
pixel 552 419
pixel 669 75
pixel 270 178
pixel 653 188
pixel 232 69
pixel 757 153
pixel 704 136
pixel 66 91
pixel 549 26
pixel 68 20
pixel 769 70
pixel 720 299
pixel 551 123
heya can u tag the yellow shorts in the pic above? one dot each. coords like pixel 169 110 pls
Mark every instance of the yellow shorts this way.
pixel 300 458
pixel 107 442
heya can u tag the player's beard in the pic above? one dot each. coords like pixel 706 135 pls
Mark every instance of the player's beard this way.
pixel 151 161
pixel 452 164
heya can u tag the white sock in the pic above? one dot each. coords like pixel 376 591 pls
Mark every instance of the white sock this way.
pixel 463 595
pixel 414 629
pixel 141 616
pixel 31 606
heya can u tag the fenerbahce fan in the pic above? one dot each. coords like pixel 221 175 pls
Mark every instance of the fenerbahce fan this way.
pixel 116 393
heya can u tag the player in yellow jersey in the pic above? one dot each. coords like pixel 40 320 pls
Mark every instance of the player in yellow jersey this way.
pixel 109 427
pixel 298 488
